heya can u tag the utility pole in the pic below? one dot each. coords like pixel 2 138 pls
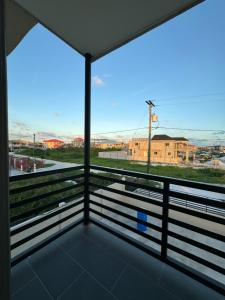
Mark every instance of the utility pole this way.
pixel 150 105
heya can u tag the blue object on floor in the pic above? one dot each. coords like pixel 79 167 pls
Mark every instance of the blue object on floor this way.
pixel 141 216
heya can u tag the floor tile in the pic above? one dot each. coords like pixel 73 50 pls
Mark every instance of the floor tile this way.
pixel 138 259
pixel 90 263
pixel 32 291
pixel 55 269
pixel 99 262
pixel 98 235
pixel 86 288
pixel 133 285
pixel 185 287
pixel 70 240
pixel 21 274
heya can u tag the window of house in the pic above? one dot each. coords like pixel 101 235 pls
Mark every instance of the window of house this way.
pixel 169 153
pixel 136 144
pixel 167 144
pixel 155 153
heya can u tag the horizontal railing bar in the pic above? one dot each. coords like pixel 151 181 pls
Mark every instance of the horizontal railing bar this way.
pixel 127 182
pixel 116 211
pixel 44 218
pixel 197 199
pixel 150 213
pixel 197 259
pixel 122 236
pixel 43 230
pixel 197 206
pixel 127 194
pixel 197 229
pixel 44 243
pixel 195 243
pixel 45 195
pixel 182 182
pixel 187 203
pixel 198 214
pixel 44 173
pixel 129 173
pixel 43 184
pixel 147 236
pixel 41 208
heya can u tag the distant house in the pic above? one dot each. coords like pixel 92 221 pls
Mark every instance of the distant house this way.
pixel 18 143
pixel 53 143
pixel 164 149
pixel 78 142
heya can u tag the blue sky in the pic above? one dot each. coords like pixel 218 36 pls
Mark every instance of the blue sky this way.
pixel 181 65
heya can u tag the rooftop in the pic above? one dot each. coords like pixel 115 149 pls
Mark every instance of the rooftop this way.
pixel 53 141
pixel 164 137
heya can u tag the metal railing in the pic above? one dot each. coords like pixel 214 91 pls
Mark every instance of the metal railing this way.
pixel 176 228
pixel 186 203
pixel 184 236
pixel 35 208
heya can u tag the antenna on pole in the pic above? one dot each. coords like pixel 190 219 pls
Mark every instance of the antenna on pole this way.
pixel 150 105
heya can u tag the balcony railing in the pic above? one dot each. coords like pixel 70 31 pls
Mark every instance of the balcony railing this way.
pixel 39 203
pixel 175 227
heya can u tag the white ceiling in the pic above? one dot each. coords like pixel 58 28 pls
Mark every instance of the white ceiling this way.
pixel 99 26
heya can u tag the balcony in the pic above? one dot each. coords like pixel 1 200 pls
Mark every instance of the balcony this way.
pixel 90 263
pixel 175 252
pixel 90 232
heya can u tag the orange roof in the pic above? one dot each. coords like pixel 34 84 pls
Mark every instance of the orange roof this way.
pixel 53 141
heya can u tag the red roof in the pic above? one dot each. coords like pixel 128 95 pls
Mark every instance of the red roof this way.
pixel 53 141
pixel 78 139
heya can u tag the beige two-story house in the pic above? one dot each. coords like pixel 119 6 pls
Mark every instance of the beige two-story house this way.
pixel 164 149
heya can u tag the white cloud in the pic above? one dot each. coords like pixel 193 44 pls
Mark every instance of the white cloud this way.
pixel 20 126
pixel 97 81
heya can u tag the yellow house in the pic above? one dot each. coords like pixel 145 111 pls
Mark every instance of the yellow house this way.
pixel 164 149
pixel 53 143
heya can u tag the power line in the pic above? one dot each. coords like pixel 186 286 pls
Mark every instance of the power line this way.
pixel 191 102
pixel 190 96
pixel 192 129
pixel 162 127
pixel 141 121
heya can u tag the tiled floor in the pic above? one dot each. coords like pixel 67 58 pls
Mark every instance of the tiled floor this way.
pixel 89 263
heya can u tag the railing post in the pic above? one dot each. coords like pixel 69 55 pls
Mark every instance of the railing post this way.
pixel 4 167
pixel 165 215
pixel 87 136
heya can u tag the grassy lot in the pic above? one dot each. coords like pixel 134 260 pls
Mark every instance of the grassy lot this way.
pixel 41 191
pixel 75 155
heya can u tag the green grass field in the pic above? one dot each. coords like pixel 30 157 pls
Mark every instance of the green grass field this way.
pixel 75 155
pixel 41 191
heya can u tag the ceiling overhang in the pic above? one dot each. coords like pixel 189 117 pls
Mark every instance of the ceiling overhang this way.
pixel 96 27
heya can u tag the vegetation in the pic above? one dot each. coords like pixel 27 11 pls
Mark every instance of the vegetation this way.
pixel 75 155
pixel 18 197
pixel 49 200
